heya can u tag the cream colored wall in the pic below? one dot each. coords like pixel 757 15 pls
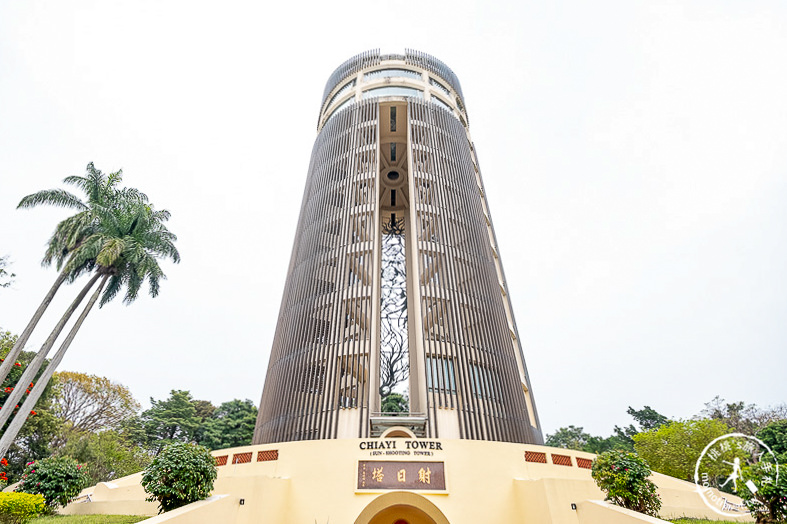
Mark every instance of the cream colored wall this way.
pixel 593 511
pixel 316 481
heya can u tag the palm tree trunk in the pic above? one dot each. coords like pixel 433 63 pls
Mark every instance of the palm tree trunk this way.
pixel 35 364
pixel 13 429
pixel 6 366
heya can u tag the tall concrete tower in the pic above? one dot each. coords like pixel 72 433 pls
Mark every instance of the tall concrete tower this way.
pixel 395 315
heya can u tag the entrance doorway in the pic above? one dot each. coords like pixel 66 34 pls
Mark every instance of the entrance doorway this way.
pixel 401 507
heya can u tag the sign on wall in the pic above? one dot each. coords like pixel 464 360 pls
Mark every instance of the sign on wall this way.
pixel 401 475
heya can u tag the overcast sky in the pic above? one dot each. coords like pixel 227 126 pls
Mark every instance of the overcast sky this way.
pixel 634 154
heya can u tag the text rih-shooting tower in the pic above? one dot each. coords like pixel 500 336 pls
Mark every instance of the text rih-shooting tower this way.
pixel 395 311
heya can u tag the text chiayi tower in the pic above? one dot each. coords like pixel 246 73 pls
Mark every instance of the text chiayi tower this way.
pixel 395 283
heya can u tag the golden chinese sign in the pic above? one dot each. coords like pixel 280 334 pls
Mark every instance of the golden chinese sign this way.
pixel 401 475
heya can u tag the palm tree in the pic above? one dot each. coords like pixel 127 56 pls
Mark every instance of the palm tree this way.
pixel 69 234
pixel 122 249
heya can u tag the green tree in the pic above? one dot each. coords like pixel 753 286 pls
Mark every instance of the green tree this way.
pixel 172 420
pixel 768 503
pixel 775 437
pixel 647 418
pixel 623 477
pixel 599 445
pixel 183 473
pixel 673 449
pixel 395 403
pixel 127 237
pixel 231 425
pixel 738 416
pixel 88 403
pixel 108 455
pixel 571 437
pixel 204 410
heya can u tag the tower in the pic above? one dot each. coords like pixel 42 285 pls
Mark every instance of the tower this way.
pixel 395 290
pixel 395 314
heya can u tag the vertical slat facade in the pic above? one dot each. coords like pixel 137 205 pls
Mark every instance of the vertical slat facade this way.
pixel 465 329
pixel 323 379
pixel 320 356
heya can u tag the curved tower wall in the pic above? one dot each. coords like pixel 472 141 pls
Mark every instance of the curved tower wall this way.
pixel 395 254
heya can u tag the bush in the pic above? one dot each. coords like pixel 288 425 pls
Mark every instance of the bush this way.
pixel 181 474
pixel 768 504
pixel 623 477
pixel 58 479
pixel 18 508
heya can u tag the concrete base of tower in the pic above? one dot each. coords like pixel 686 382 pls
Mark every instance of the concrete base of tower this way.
pixel 397 480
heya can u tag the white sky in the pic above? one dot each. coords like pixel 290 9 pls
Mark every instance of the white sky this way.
pixel 634 153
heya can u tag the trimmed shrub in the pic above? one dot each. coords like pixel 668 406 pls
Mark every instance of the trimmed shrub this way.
pixel 58 479
pixel 181 474
pixel 624 478
pixel 768 503
pixel 18 508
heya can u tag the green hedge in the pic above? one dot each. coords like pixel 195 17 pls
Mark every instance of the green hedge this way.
pixel 18 508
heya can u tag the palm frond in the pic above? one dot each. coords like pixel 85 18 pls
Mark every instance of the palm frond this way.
pixel 162 215
pixel 114 285
pixel 133 195
pixel 155 274
pixel 52 197
pixel 113 179
pixel 110 252
pixel 132 288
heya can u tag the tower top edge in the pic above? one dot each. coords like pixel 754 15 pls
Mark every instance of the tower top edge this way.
pixel 374 57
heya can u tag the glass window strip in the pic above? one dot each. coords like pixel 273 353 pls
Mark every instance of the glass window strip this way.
pixel 437 101
pixel 340 107
pixel 392 91
pixel 440 86
pixel 346 87
pixel 391 72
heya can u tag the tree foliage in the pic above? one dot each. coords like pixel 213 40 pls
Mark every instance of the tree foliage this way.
pixel 172 420
pixel 647 418
pixel 58 479
pixel 673 449
pixel 775 437
pixel 89 403
pixel 623 477
pixel 395 403
pixel 230 425
pixel 741 417
pixel 768 503
pixel 571 437
pixel 107 455
pixel 183 473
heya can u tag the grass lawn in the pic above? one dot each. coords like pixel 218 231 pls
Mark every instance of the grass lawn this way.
pixel 704 521
pixel 89 519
